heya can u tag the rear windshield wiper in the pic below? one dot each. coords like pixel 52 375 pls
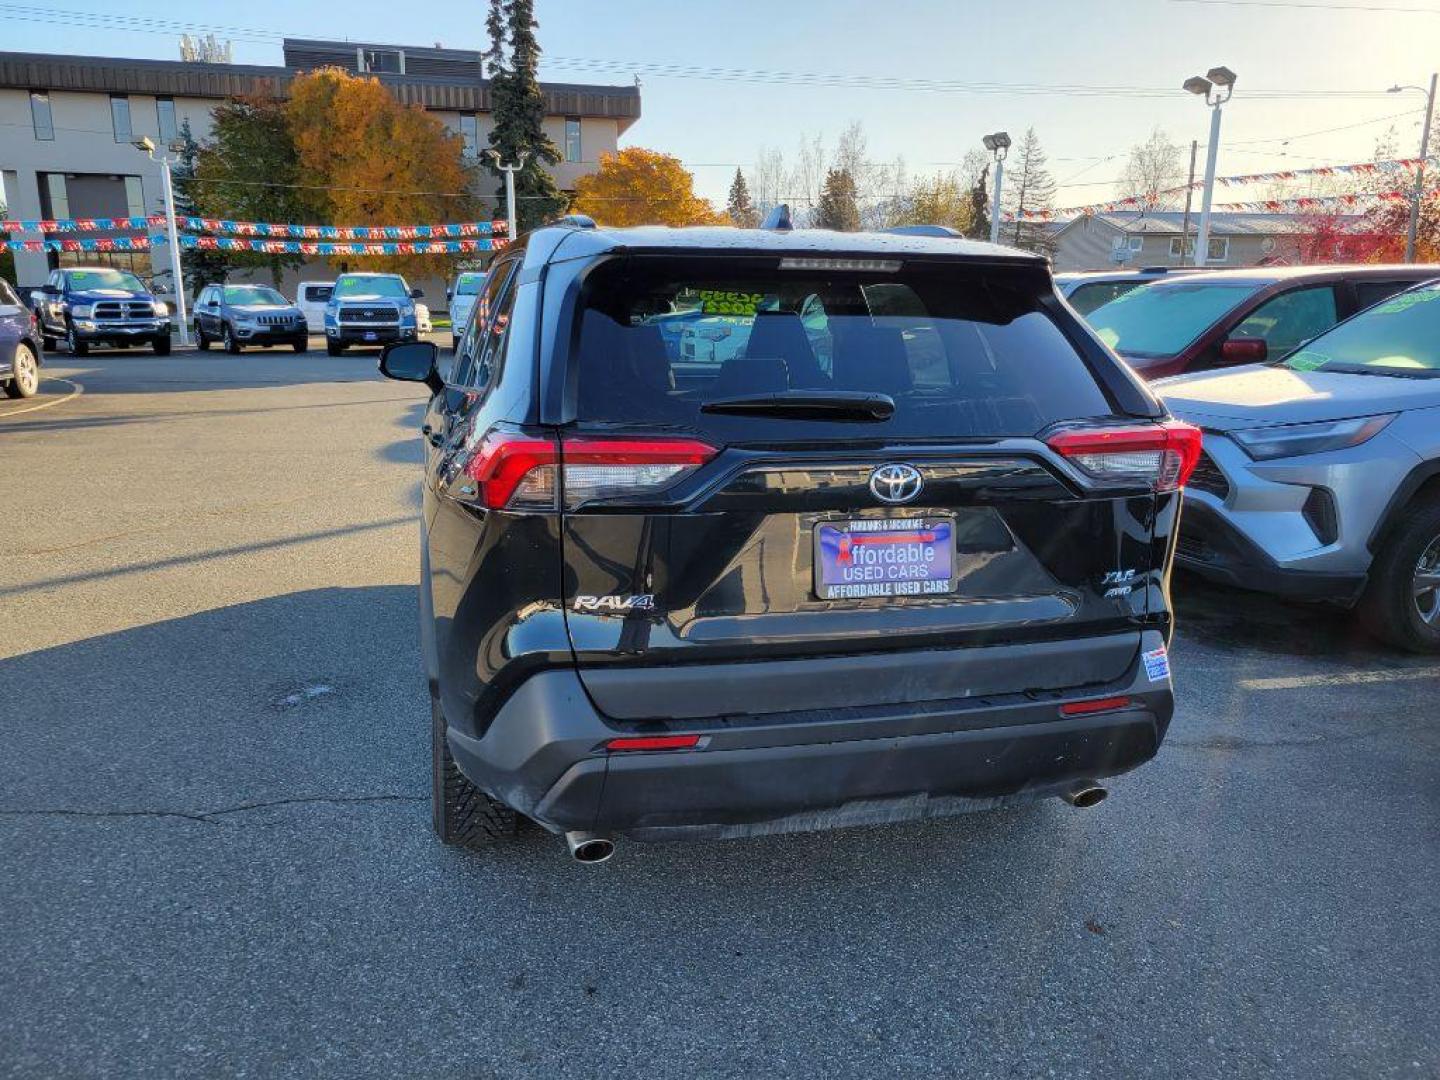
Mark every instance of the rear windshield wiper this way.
pixel 808 405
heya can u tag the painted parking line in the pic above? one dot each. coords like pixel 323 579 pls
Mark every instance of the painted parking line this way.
pixel 76 392
pixel 1350 678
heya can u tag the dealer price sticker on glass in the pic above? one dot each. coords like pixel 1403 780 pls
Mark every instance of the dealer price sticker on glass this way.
pixel 884 557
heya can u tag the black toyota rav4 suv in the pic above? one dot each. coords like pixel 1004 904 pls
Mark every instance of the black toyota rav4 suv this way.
pixel 886 533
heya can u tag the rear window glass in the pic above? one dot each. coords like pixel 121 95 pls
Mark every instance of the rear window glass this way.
pixel 319 293
pixel 962 353
pixel 469 284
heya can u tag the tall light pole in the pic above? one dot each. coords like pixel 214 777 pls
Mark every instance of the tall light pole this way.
pixel 168 190
pixel 1420 169
pixel 509 171
pixel 1215 86
pixel 998 144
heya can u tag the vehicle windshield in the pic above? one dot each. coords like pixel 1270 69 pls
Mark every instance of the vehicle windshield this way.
pixel 469 284
pixel 390 288
pixel 103 279
pixel 252 296
pixel 960 352
pixel 1161 320
pixel 1399 337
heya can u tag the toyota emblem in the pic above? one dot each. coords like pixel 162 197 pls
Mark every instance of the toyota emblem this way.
pixel 896 483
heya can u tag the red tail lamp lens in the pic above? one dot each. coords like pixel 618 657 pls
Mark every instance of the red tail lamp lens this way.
pixel 1082 708
pixel 654 742
pixel 1160 455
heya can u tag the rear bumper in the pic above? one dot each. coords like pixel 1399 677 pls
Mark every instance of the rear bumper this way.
pixel 544 755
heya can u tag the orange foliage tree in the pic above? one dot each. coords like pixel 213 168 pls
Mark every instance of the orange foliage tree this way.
pixel 379 161
pixel 642 187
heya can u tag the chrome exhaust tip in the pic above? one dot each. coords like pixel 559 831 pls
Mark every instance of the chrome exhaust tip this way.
pixel 1084 794
pixel 588 847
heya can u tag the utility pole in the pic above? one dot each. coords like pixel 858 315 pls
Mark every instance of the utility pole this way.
pixel 510 171
pixel 1419 193
pixel 1189 195
pixel 1205 86
pixel 172 235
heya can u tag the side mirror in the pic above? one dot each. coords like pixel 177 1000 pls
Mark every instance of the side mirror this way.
pixel 412 361
pixel 448 296
pixel 417 294
pixel 1244 350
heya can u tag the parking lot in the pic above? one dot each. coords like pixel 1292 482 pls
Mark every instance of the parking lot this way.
pixel 214 815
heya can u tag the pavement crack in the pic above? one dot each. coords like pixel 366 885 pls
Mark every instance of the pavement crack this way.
pixel 214 817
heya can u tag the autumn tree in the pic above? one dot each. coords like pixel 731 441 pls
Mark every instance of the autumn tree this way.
pixel 837 208
pixel 942 199
pixel 738 207
pixel 1154 166
pixel 249 171
pixel 377 161
pixel 518 110
pixel 1030 188
pixel 642 187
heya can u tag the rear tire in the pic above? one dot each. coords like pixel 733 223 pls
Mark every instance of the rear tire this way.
pixel 333 349
pixel 24 373
pixel 1395 605
pixel 462 814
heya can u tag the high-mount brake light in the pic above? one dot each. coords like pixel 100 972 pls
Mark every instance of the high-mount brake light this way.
pixel 870 266
pixel 1161 456
pixel 522 472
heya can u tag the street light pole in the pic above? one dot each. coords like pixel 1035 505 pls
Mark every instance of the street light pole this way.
pixel 510 171
pixel 1215 87
pixel 1419 193
pixel 998 144
pixel 172 235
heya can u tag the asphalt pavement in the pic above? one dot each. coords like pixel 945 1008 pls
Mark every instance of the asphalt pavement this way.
pixel 217 858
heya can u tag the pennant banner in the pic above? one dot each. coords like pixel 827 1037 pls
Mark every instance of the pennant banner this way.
pixel 106 243
pixel 1298 205
pixel 252 228
pixel 321 247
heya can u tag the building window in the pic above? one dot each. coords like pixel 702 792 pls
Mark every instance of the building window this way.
pixel 1219 248
pixel 54 198
pixel 165 118
pixel 120 117
pixel 1135 241
pixel 381 61
pixel 40 115
pixel 572 138
pixel 470 131
pixel 134 197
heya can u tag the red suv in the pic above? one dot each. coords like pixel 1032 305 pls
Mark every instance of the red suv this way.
pixel 1224 317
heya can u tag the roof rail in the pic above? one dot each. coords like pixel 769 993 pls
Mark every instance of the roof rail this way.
pixel 943 231
pixel 778 218
pixel 577 221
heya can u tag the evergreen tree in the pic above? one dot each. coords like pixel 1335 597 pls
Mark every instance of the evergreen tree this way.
pixel 518 109
pixel 979 206
pixel 200 268
pixel 838 207
pixel 741 210
pixel 1032 188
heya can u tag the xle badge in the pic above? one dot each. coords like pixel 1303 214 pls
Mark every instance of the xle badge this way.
pixel 638 602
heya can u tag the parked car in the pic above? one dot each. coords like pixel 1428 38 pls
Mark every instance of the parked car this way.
pixel 311 297
pixel 99 305
pixel 1089 289
pixel 1321 473
pixel 1227 317
pixel 235 316
pixel 369 309
pixel 20 346
pixel 774 594
pixel 461 297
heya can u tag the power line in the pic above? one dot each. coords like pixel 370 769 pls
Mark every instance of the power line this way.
pixel 1311 6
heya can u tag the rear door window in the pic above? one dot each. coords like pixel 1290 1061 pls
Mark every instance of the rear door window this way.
pixel 1290 319
pixel 318 294
pixel 1370 293
pixel 963 352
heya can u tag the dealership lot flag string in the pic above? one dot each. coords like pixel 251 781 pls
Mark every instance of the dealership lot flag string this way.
pixel 467 229
pixel 269 247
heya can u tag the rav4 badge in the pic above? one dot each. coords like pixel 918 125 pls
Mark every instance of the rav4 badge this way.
pixel 638 602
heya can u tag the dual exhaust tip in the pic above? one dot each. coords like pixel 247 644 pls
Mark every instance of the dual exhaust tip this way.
pixel 594 848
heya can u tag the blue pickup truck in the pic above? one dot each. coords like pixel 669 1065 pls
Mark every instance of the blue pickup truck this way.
pixel 99 305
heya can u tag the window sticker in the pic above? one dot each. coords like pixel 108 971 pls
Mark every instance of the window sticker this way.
pixel 1405 301
pixel 1306 360
pixel 724 302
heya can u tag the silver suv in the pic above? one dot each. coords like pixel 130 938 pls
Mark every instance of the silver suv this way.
pixel 1320 476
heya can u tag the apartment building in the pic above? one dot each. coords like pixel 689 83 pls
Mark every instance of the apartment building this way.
pixel 68 123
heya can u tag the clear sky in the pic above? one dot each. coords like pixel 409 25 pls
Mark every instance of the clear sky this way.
pixel 1286 55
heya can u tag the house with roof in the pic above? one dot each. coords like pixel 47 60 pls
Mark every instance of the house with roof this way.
pixel 1138 238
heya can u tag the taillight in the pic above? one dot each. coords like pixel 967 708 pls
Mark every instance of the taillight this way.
pixel 654 742
pixel 1159 456
pixel 522 472
pixel 1095 705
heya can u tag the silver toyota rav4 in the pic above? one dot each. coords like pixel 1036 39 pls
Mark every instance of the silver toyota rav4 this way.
pixel 1320 476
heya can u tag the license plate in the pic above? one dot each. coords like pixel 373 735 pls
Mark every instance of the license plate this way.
pixel 370 335
pixel 884 557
